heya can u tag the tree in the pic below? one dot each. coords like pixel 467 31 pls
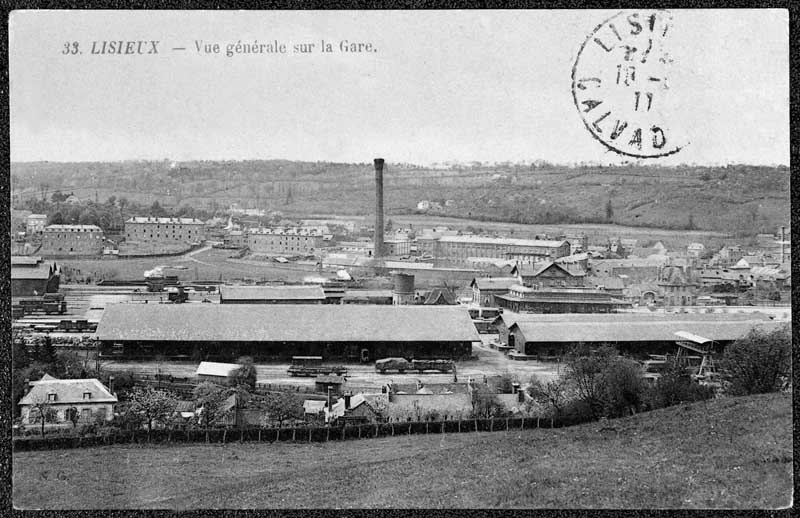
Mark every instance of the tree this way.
pixel 44 409
pixel 609 210
pixel 152 404
pixel 282 406
pixel 553 394
pixel 607 383
pixel 245 375
pixel 211 398
pixel 111 200
pixel 485 403
pixel 674 386
pixel 57 218
pixel 760 362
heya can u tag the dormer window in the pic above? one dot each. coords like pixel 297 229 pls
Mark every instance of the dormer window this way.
pixel 87 395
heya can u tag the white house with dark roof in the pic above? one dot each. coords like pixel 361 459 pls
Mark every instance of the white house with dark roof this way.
pixel 87 398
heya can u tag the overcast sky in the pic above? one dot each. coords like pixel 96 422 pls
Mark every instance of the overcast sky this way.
pixel 456 85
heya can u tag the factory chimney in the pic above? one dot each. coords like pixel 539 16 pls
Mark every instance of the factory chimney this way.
pixel 378 239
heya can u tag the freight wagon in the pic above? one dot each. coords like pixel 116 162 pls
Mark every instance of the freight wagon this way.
pixel 401 365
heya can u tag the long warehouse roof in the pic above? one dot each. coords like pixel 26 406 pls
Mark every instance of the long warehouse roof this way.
pixel 271 292
pixel 510 317
pixel 597 332
pixel 285 323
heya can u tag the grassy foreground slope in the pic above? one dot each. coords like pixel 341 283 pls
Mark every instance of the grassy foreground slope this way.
pixel 730 453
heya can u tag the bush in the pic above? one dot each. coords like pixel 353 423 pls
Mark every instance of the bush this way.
pixel 760 362
pixel 609 384
pixel 675 386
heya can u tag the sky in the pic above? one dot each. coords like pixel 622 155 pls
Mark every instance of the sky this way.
pixel 487 86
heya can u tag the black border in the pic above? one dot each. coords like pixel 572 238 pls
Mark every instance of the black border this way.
pixel 5 284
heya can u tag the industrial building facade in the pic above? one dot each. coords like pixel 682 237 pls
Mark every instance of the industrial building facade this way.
pixel 279 241
pixel 335 332
pixel 72 240
pixel 459 248
pixel 164 230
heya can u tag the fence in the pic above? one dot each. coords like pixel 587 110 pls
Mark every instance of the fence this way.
pixel 295 434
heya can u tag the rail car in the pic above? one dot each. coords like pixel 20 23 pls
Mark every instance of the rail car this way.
pixel 312 366
pixel 401 365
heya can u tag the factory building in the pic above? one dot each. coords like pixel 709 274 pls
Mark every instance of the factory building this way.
pixel 291 241
pixel 335 332
pixel 72 240
pixel 271 295
pixel 459 248
pixel 164 230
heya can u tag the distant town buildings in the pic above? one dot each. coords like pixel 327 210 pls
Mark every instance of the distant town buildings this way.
pixel 35 224
pixel 164 230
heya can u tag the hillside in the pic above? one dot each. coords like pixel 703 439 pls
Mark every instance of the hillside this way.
pixel 729 453
pixel 744 199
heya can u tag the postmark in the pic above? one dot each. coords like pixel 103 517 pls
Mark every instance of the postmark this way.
pixel 621 84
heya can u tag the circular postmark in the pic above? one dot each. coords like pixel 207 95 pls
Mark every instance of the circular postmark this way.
pixel 620 84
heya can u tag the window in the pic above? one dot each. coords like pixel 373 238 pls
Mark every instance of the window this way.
pixel 87 395
pixel 51 397
pixel 86 414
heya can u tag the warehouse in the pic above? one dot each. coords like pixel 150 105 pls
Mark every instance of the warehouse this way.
pixel 341 332
pixel 505 320
pixel 271 295
pixel 638 338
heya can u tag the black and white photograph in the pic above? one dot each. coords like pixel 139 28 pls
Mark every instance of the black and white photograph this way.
pixel 415 259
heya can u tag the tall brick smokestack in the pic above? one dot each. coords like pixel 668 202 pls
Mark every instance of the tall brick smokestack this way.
pixel 378 239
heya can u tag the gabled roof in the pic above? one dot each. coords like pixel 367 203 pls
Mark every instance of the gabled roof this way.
pixel 216 369
pixel 271 293
pixel 25 260
pixel 40 271
pixel 68 391
pixel 440 296
pixel 536 269
pixel 285 323
pixel 509 318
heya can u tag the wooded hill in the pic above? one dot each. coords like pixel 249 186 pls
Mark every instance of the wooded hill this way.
pixel 738 199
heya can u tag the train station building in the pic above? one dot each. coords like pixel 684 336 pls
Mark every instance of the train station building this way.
pixel 335 332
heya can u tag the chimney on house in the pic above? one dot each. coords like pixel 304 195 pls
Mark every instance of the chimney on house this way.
pixel 347 396
pixel 378 239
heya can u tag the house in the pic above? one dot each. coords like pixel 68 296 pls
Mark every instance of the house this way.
pixel 35 224
pixel 676 289
pixel 547 274
pixel 484 289
pixel 214 371
pixel 696 249
pixel 31 276
pixel 352 410
pixel 86 400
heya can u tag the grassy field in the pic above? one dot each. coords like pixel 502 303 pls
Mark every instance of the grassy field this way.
pixel 729 453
